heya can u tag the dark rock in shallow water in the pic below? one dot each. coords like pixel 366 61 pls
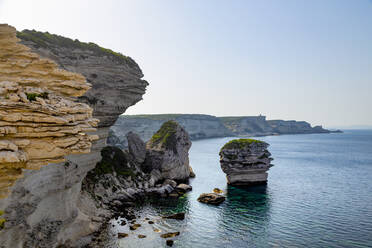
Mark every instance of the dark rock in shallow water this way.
pixel 134 226
pixel 141 236
pixel 169 242
pixel 122 235
pixel 211 198
pixel 245 162
pixel 151 222
pixel 178 216
pixel 170 235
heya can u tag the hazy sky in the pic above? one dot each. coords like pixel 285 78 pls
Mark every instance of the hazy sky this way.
pixel 288 59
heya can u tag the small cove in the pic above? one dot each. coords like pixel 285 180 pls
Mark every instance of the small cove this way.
pixel 318 195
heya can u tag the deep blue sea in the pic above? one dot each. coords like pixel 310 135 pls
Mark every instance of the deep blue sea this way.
pixel 319 194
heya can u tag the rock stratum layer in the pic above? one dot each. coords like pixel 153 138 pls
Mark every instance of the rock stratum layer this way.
pixel 40 122
pixel 245 162
pixel 206 126
pixel 115 78
pixel 47 207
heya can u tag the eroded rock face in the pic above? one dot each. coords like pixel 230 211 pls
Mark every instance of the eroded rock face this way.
pixel 168 152
pixel 245 162
pixel 115 78
pixel 40 122
pixel 136 147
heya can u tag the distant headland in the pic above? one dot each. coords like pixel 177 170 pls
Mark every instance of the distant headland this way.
pixel 200 126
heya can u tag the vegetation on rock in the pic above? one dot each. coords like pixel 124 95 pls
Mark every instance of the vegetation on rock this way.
pixel 240 143
pixel 166 135
pixel 47 40
pixel 2 220
pixel 32 96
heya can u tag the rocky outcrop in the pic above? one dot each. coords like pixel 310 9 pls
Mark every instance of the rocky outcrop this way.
pixel 168 152
pixel 124 176
pixel 40 122
pixel 136 147
pixel 259 126
pixel 245 162
pixel 47 208
pixel 115 78
pixel 197 126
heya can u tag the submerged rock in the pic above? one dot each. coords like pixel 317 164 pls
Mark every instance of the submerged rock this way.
pixel 170 235
pixel 211 198
pixel 177 216
pixel 169 242
pixel 141 236
pixel 245 162
pixel 168 152
pixel 134 227
pixel 122 235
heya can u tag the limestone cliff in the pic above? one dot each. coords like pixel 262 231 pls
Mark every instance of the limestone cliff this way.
pixel 115 78
pixel 197 126
pixel 40 122
pixel 206 126
pixel 259 126
pixel 47 208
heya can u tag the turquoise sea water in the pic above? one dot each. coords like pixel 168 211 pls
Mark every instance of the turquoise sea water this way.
pixel 319 194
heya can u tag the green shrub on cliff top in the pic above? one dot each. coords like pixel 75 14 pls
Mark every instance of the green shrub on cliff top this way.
pixel 240 143
pixel 2 220
pixel 47 40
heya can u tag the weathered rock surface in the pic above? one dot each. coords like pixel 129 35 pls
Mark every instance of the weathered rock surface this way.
pixel 211 198
pixel 168 152
pixel 128 175
pixel 40 122
pixel 47 208
pixel 137 148
pixel 115 78
pixel 245 162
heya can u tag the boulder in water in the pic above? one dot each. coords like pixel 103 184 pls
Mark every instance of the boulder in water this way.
pixel 211 198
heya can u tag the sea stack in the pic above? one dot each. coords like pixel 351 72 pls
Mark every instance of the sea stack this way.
pixel 168 152
pixel 245 162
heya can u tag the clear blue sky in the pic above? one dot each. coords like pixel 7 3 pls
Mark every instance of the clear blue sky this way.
pixel 288 59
